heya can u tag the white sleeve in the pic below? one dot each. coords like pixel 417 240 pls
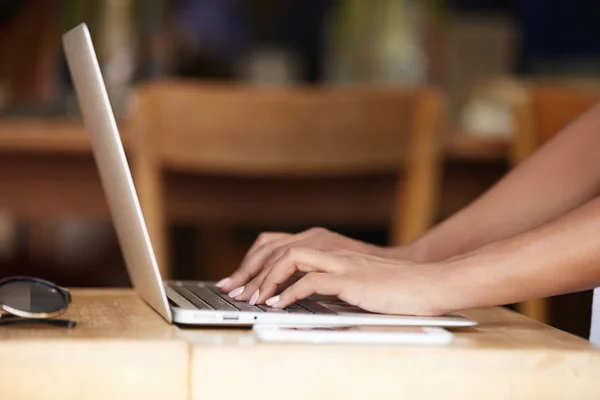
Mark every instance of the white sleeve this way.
pixel 595 331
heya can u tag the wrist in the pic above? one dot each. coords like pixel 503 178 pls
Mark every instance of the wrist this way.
pixel 454 285
pixel 415 251
pixel 473 280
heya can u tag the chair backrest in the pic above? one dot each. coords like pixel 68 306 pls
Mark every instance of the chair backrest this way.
pixel 230 128
pixel 550 108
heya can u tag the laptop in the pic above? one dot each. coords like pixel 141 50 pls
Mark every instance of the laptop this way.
pixel 184 302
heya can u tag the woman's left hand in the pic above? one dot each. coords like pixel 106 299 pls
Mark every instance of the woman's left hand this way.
pixel 380 285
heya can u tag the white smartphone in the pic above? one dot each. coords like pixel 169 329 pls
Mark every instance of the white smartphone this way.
pixel 363 334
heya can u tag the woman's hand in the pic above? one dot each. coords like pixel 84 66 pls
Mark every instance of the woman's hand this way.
pixel 269 247
pixel 375 284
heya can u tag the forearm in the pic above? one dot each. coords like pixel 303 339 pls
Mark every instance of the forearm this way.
pixel 561 176
pixel 560 257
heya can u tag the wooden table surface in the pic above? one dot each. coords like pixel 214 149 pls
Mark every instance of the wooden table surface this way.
pixel 507 356
pixel 123 349
pixel 120 348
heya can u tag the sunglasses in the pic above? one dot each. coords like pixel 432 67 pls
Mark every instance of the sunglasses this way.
pixel 25 300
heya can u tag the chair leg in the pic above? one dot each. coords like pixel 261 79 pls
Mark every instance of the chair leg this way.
pixel 537 309
pixel 150 188
pixel 149 182
pixel 416 196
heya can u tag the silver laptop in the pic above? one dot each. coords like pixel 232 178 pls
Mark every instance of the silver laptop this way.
pixel 183 302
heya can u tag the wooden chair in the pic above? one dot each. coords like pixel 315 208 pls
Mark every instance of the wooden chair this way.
pixel 549 109
pixel 227 155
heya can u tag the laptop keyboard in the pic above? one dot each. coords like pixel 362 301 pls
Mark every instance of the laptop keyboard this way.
pixel 211 298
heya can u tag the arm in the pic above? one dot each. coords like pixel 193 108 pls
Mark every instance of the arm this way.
pixel 558 257
pixel 562 175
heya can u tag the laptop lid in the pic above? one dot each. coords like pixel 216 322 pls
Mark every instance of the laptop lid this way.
pixel 114 170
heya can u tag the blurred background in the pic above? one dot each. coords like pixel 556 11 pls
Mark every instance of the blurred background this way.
pixel 503 69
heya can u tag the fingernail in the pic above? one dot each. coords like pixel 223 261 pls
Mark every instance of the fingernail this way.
pixel 222 282
pixel 236 292
pixel 272 301
pixel 254 297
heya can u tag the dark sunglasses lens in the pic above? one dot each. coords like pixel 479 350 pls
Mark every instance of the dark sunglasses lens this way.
pixel 32 297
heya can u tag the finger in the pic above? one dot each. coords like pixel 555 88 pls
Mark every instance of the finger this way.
pixel 312 283
pixel 265 238
pixel 251 264
pixel 303 239
pixel 296 260
pixel 278 252
pixel 254 263
pixel 251 290
pixel 297 240
pixel 252 286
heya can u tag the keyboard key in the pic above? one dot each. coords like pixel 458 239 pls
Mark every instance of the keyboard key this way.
pixel 220 301
pixel 296 309
pixel 211 299
pixel 269 309
pixel 315 307
pixel 245 306
pixel 189 296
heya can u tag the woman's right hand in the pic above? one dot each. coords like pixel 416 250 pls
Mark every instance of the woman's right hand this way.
pixel 270 246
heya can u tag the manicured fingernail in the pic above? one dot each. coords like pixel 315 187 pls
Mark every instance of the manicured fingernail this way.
pixel 254 297
pixel 236 292
pixel 222 282
pixel 272 300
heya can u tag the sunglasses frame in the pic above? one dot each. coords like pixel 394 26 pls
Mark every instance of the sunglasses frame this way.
pixel 64 292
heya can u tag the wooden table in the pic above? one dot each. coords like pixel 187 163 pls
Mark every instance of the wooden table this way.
pixel 123 349
pixel 120 348
pixel 49 159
